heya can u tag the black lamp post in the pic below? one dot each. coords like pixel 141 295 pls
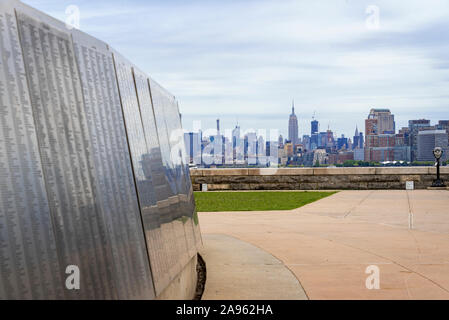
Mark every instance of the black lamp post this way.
pixel 438 153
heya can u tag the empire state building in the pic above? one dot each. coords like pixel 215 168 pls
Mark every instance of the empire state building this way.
pixel 293 126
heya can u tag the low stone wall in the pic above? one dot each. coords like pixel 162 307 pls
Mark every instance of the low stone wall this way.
pixel 315 178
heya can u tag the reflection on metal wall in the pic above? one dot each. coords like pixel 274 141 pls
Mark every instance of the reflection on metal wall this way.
pixel 169 129
pixel 166 257
pixel 113 171
pixel 91 173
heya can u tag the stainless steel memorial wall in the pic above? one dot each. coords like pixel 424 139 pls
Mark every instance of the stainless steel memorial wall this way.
pixel 92 173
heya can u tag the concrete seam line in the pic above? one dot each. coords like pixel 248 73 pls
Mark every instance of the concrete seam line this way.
pixel 358 204
pixel 274 256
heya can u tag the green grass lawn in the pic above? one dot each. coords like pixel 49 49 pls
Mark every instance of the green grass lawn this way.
pixel 255 201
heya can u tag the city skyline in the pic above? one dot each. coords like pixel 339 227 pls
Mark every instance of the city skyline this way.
pixel 380 141
pixel 248 59
pixel 304 125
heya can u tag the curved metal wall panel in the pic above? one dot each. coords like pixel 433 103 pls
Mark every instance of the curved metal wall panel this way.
pixel 178 220
pixel 171 133
pixel 29 267
pixel 167 229
pixel 113 172
pixel 57 102
pixel 88 175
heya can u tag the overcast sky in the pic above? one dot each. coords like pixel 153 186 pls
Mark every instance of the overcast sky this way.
pixel 247 60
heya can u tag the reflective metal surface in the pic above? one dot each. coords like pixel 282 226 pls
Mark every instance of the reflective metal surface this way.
pixel 89 172
pixel 29 267
pixel 170 131
pixel 160 231
pixel 57 103
pixel 170 166
pixel 112 174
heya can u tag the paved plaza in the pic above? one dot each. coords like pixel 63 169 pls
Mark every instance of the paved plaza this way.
pixel 322 250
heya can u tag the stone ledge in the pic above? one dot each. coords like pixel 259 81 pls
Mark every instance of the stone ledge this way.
pixel 343 171
pixel 196 172
pixel 317 171
pixel 224 172
pixel 403 170
pixel 443 170
pixel 280 171
pixel 316 178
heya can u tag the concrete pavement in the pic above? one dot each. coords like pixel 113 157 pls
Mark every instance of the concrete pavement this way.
pixel 238 270
pixel 329 244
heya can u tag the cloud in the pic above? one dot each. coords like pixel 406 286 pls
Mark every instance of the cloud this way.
pixel 248 59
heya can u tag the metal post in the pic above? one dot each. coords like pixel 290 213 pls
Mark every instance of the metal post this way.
pixel 438 153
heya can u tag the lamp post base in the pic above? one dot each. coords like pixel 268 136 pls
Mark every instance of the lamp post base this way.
pixel 438 183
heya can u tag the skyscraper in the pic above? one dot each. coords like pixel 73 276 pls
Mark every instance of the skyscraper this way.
pixel 192 142
pixel 342 143
pixel 379 133
pixel 314 127
pixel 428 140
pixel 384 120
pixel 382 143
pixel 237 145
pixel 358 139
pixel 415 126
pixel 281 141
pixel 236 136
pixel 293 126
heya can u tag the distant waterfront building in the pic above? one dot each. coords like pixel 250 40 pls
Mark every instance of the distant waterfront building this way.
pixel 235 136
pixel 192 142
pixel 314 141
pixel 237 146
pixel 261 151
pixel 251 148
pixel 384 120
pixel 320 157
pixel 314 136
pixel 322 139
pixel 358 139
pixel 402 153
pixel 380 136
pixel 281 142
pixel 293 126
pixel 342 143
pixel 288 147
pixel 330 140
pixel 414 127
pixel 314 126
pixel 428 140
pixel 340 157
pixel 359 154
pixel 306 142
pixel 282 156
pixel 443 125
